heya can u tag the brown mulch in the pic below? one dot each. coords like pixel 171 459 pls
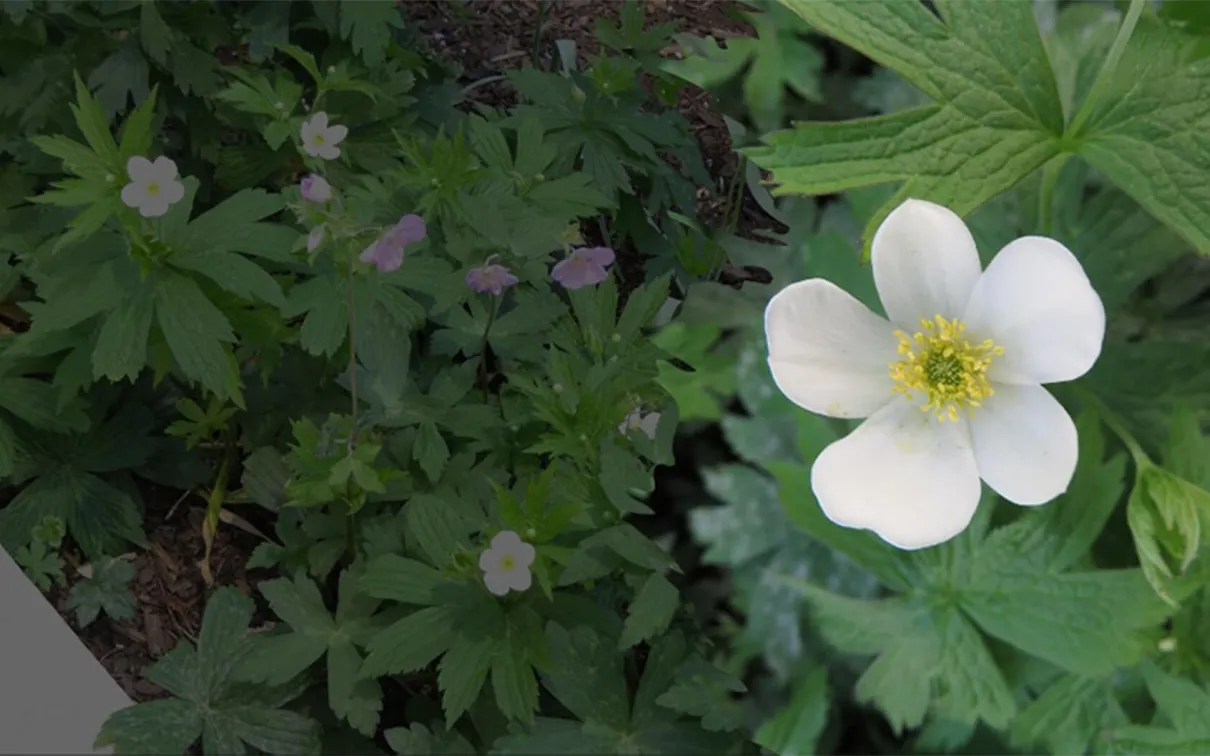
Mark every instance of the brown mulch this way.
pixel 488 37
pixel 169 592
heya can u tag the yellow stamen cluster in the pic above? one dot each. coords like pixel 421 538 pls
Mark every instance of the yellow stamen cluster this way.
pixel 947 369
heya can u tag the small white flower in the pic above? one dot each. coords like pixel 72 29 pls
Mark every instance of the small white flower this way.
pixel 506 563
pixel 648 423
pixel 321 140
pixel 153 187
pixel 970 348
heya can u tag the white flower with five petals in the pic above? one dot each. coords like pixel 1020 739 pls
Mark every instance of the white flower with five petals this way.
pixel 153 188
pixel 506 563
pixel 319 139
pixel 951 386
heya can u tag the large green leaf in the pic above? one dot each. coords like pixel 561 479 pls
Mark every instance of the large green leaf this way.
pixel 1144 132
pixel 997 114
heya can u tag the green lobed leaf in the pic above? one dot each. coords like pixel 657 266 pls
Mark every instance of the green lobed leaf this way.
pixel 651 611
pixel 1142 132
pixel 195 330
pixel 586 675
pixel 401 579
pixel 410 643
pixel 107 589
pixel 997 115
pixel 797 727
pixel 166 727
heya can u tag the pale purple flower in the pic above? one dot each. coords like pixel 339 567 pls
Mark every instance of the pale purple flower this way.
pixel 490 278
pixel 316 189
pixel 583 267
pixel 387 251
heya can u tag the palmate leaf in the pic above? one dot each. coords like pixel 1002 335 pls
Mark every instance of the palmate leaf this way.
pixel 277 659
pixel 1186 707
pixel 108 589
pixel 208 703
pixel 1142 133
pixel 997 115
pixel 1013 585
pixel 98 516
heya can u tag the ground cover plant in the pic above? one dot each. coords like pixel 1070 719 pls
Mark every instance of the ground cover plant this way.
pixel 508 424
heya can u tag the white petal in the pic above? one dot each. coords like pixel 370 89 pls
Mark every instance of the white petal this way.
pixel 901 474
pixel 650 424
pixel 1035 300
pixel 506 542
pixel 327 151
pixel 519 579
pixel 828 353
pixel 489 559
pixel 319 121
pixel 925 263
pixel 1025 444
pixel 311 148
pixel 134 194
pixel 163 170
pixel 172 191
pixel 523 553
pixel 154 207
pixel 336 134
pixel 497 583
pixel 140 170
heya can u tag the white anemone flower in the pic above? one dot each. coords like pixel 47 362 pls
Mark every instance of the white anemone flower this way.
pixel 321 139
pixel 153 188
pixel 506 562
pixel 951 386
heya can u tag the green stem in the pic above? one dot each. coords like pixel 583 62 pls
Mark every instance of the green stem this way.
pixel 1105 76
pixel 487 329
pixel 1115 424
pixel 537 50
pixel 1046 197
pixel 352 305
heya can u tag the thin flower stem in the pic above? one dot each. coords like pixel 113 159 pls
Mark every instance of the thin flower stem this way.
pixel 352 353
pixel 1105 76
pixel 1115 424
pixel 1046 197
pixel 491 319
pixel 537 46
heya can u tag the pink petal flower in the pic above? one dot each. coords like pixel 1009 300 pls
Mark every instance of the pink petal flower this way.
pixel 315 189
pixel 387 252
pixel 492 279
pixel 411 229
pixel 583 267
pixel 602 256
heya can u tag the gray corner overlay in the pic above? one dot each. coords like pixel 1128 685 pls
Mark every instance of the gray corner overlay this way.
pixel 54 696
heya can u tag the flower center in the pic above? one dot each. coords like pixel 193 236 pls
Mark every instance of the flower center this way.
pixel 153 188
pixel 507 563
pixel 318 138
pixel 948 370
